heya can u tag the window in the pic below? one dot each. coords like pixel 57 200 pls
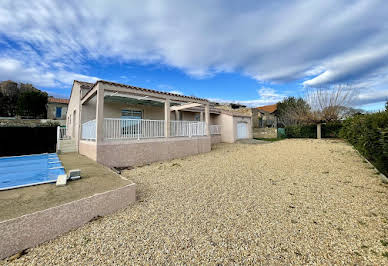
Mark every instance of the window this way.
pixel 131 126
pixel 131 114
pixel 58 112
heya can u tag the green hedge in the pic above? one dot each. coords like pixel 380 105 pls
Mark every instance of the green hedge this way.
pixel 329 130
pixel 369 135
pixel 305 131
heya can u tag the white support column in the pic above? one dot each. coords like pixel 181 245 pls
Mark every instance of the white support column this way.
pixel 207 119
pixel 177 115
pixel 100 115
pixel 319 131
pixel 167 114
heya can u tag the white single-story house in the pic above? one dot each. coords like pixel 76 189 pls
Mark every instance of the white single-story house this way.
pixel 122 125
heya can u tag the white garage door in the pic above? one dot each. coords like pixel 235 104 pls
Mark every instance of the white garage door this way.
pixel 242 131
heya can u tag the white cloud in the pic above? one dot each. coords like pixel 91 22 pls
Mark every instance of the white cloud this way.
pixel 12 69
pixel 322 42
pixel 267 96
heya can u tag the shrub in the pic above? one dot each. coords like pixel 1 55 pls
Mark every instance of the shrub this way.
pixel 369 135
pixel 331 130
pixel 303 131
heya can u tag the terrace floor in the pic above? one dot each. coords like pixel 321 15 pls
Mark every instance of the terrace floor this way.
pixel 286 202
pixel 95 179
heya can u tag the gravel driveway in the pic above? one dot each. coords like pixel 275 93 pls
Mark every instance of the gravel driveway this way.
pixel 292 201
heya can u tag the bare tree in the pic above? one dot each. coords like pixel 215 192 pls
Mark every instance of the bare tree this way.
pixel 327 104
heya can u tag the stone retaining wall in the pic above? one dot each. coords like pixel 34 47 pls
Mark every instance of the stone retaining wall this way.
pixel 267 133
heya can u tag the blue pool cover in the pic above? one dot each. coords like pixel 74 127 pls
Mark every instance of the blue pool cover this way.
pixel 21 171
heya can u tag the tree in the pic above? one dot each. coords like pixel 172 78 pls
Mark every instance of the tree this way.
pixel 22 99
pixel 328 103
pixel 9 92
pixel 32 104
pixel 386 106
pixel 292 111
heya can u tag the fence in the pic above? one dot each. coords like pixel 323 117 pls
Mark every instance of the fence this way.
pixel 117 128
pixel 62 133
pixel 27 140
pixel 89 130
pixel 215 130
pixel 187 128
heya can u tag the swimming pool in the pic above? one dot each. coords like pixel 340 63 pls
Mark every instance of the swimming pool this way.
pixel 28 170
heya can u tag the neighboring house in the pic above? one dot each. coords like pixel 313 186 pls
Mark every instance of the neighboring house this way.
pixel 122 125
pixel 264 121
pixel 57 108
pixel 267 116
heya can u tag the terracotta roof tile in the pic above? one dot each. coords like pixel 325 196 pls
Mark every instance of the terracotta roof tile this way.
pixel 57 100
pixel 143 89
pixel 268 108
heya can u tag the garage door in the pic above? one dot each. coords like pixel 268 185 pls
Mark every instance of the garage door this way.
pixel 242 131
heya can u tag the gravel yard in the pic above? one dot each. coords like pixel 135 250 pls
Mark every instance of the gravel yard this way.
pixel 291 201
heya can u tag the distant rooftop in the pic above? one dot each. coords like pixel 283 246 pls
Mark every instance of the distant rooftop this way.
pixel 268 108
pixel 57 100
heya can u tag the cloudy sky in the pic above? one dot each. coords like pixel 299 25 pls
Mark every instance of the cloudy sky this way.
pixel 254 52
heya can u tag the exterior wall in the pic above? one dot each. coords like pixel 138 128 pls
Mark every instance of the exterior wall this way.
pixel 133 153
pixel 215 139
pixel 227 128
pixel 89 149
pixel 73 112
pixel 52 111
pixel 189 116
pixel 113 110
pixel 238 119
pixel 89 110
pixel 269 132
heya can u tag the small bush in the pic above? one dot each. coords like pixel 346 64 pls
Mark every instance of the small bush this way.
pixel 369 135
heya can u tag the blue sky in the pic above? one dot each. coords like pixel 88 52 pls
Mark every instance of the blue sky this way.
pixel 253 52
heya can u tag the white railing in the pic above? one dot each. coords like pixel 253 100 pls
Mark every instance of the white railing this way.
pixel 187 128
pixel 215 129
pixel 117 128
pixel 89 130
pixel 63 133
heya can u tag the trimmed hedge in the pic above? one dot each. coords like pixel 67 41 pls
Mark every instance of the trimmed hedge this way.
pixel 305 131
pixel 369 135
pixel 329 130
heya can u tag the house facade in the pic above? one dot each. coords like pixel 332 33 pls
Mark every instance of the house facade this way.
pixel 122 125
pixel 57 108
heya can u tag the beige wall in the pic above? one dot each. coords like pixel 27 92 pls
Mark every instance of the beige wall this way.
pixel 215 139
pixel 113 110
pixel 247 120
pixel 73 111
pixel 89 149
pixel 52 111
pixel 134 153
pixel 227 130
pixel 229 126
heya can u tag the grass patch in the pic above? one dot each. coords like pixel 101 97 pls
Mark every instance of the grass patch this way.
pixel 385 254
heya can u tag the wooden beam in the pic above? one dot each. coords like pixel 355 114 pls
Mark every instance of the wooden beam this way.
pixel 184 106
